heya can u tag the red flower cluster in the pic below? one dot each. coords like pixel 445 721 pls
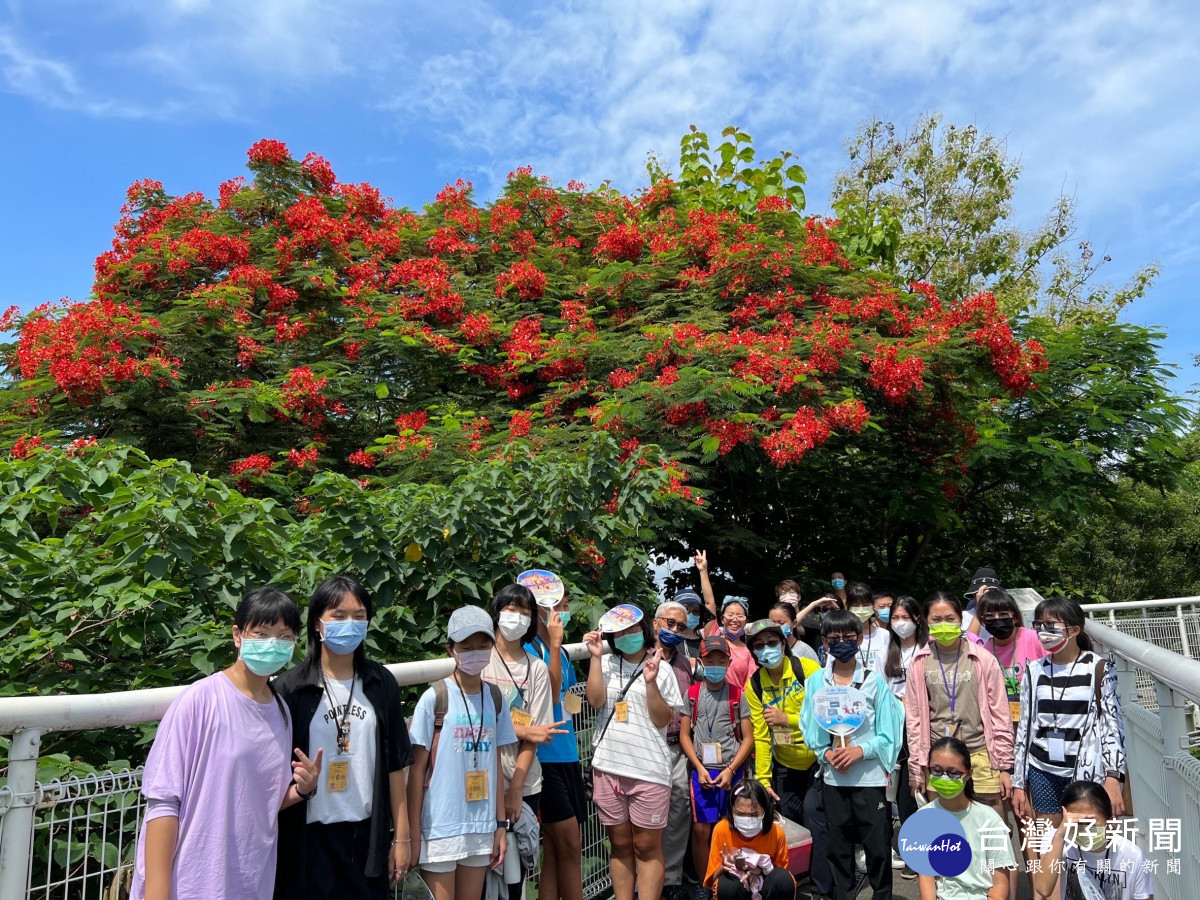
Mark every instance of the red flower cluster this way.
pixel 25 446
pixel 362 458
pixel 519 425
pixel 302 459
pixel 789 444
pixel 253 466
pixel 320 172
pixel 529 281
pixel 893 377
pixel 301 394
pixel 729 433
pixel 620 378
pixel 623 241
pixel 269 153
pixel 685 413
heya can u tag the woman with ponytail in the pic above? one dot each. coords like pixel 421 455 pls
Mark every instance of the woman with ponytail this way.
pixel 949 774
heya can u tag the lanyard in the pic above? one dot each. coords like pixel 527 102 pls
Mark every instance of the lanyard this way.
pixel 720 702
pixel 477 736
pixel 343 726
pixel 520 687
pixel 952 694
pixel 865 654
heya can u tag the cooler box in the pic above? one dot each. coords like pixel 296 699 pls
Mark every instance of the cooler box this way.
pixel 799 843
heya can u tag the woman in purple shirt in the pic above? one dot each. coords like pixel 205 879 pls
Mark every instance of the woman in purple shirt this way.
pixel 217 775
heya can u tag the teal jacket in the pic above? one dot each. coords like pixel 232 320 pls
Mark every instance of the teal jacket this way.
pixel 880 736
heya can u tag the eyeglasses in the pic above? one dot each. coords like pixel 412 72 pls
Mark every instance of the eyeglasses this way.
pixel 672 624
pixel 1049 627
pixel 735 617
pixel 939 772
pixel 764 643
pixel 997 619
pixel 848 636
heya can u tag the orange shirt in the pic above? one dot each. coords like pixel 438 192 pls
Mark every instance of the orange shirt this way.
pixel 726 838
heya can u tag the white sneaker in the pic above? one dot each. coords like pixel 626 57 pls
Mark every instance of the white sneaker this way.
pixel 860 859
pixel 897 860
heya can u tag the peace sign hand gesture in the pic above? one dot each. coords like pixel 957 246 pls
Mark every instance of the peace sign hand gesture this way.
pixel 650 666
pixel 307 772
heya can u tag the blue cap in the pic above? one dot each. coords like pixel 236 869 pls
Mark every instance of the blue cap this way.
pixel 688 597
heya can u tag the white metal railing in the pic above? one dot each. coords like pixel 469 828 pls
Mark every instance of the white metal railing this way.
pixel 1164 775
pixel 74 838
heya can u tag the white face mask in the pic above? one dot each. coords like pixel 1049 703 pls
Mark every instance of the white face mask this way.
pixel 514 626
pixel 748 826
pixel 904 628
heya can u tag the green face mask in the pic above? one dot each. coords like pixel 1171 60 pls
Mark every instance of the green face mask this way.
pixel 945 633
pixel 947 787
pixel 1091 839
pixel 630 643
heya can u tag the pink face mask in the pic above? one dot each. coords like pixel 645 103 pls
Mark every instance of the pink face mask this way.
pixel 1053 641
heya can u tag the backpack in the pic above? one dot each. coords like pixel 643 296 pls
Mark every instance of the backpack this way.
pixel 756 678
pixel 735 697
pixel 441 704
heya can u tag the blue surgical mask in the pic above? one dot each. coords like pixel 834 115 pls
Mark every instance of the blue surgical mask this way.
pixel 669 638
pixel 770 656
pixel 714 673
pixel 843 651
pixel 838 583
pixel 883 615
pixel 564 616
pixel 630 643
pixel 787 630
pixel 344 635
pixel 266 656
pixel 693 621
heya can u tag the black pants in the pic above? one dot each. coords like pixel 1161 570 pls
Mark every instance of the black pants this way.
pixel 906 804
pixel 336 861
pixel 797 801
pixel 777 885
pixel 859 815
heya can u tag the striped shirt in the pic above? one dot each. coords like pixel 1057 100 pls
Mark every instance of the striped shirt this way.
pixel 634 748
pixel 1063 697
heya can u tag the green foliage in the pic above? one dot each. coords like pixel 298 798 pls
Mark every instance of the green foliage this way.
pixel 950 189
pixel 729 179
pixel 122 572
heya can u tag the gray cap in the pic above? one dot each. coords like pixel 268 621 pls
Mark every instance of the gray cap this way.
pixel 468 620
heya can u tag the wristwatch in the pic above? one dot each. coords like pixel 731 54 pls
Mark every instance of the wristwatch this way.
pixel 307 796
pixel 506 824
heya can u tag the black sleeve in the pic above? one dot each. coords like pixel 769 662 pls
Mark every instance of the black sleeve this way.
pixel 400 755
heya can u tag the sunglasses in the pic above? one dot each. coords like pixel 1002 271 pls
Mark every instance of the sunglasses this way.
pixel 673 624
pixel 939 772
pixel 1050 627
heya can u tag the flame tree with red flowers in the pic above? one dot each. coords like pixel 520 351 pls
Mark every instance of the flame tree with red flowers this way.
pixel 802 400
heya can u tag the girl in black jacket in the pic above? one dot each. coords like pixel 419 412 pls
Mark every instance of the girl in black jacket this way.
pixel 350 840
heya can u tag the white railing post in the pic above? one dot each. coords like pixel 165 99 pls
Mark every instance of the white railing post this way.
pixel 1183 638
pixel 16 836
pixel 1173 714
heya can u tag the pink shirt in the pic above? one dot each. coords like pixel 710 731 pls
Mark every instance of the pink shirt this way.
pixel 1013 657
pixel 220 764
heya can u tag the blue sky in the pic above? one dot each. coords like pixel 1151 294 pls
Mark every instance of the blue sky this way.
pixel 1096 98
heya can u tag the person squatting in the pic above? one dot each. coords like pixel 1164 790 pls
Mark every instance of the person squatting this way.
pixel 715 736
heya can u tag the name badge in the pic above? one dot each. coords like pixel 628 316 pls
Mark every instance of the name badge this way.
pixel 621 711
pixel 710 754
pixel 339 776
pixel 521 718
pixel 1056 746
pixel 781 736
pixel 1014 709
pixel 572 704
pixel 477 785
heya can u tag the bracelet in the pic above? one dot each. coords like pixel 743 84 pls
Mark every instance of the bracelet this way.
pixel 307 796
pixel 401 841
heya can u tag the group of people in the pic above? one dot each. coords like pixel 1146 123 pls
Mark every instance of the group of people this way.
pixel 713 733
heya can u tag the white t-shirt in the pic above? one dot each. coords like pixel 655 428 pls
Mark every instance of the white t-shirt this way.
pixel 899 684
pixel 354 803
pixel 872 652
pixel 1125 879
pixel 452 828
pixel 987 853
pixel 525 685
pixel 634 748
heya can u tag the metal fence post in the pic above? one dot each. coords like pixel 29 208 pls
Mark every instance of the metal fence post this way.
pixel 1183 638
pixel 16 838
